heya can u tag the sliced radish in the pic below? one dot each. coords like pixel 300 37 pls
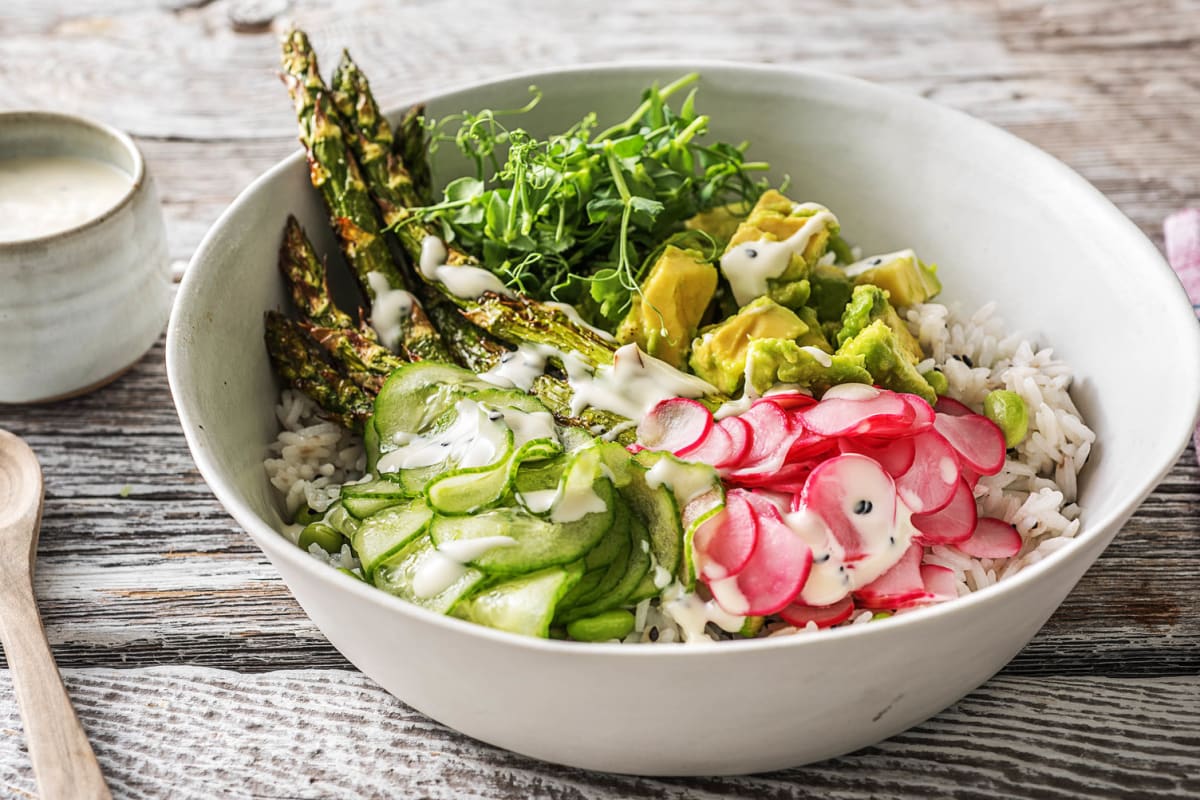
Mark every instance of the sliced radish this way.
pixel 725 541
pixel 837 416
pixel 923 413
pixel 930 483
pixel 771 437
pixel 952 523
pixel 791 401
pixel 948 405
pixel 851 391
pixel 856 500
pixel 772 577
pixel 993 538
pixel 712 449
pixel 809 445
pixel 739 434
pixel 895 456
pixel 899 587
pixel 822 616
pixel 675 425
pixel 940 583
pixel 978 440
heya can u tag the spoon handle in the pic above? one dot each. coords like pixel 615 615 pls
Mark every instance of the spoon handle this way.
pixel 62 757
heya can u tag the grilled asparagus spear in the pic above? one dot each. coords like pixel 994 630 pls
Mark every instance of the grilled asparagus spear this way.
pixel 413 149
pixel 307 279
pixel 305 366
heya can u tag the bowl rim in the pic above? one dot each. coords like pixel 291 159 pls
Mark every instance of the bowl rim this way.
pixel 65 119
pixel 276 546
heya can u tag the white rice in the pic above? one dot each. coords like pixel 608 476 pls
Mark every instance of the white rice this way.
pixel 1035 490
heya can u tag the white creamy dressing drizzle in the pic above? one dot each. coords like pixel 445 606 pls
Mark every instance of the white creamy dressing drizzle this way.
pixel 819 355
pixel 859 267
pixel 631 386
pixel 389 310
pixel 41 195
pixel 539 501
pixel 529 425
pixel 686 481
pixel 472 440
pixel 461 281
pixel 885 539
pixel 692 614
pixel 520 368
pixel 851 391
pixel 573 315
pixel 447 563
pixel 576 498
pixel 750 265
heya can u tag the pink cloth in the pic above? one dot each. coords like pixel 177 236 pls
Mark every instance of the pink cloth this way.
pixel 1182 232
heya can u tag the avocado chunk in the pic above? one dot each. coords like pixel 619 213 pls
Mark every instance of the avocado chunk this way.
pixel 901 274
pixel 831 291
pixel 719 353
pixel 885 359
pixel 663 320
pixel 773 361
pixel 720 222
pixel 775 249
pixel 814 337
pixel 868 304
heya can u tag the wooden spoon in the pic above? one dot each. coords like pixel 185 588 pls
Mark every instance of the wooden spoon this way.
pixel 62 758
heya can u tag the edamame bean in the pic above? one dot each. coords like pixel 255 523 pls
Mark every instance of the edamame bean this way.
pixel 615 624
pixel 322 536
pixel 1008 411
pixel 306 515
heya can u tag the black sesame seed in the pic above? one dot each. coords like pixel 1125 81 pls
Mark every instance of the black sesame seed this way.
pixel 821 559
pixel 891 540
pixel 863 507
pixel 875 262
pixel 654 634
pixel 751 252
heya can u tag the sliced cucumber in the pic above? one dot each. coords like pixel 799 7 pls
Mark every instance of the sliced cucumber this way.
pixel 371 443
pixel 338 518
pixel 417 394
pixel 523 605
pixel 509 398
pixel 575 438
pixel 615 539
pixel 396 574
pixel 384 533
pixel 655 506
pixel 618 461
pixel 622 590
pixel 364 499
pixel 539 542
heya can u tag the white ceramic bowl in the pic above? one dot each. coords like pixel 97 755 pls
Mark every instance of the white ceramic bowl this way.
pixel 999 216
pixel 79 306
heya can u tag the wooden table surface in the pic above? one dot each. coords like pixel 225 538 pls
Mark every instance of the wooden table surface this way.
pixel 197 675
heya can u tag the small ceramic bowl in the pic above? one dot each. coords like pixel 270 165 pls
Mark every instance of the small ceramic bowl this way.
pixel 1007 223
pixel 82 304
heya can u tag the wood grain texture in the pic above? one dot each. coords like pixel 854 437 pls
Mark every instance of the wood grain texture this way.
pixel 184 732
pixel 143 578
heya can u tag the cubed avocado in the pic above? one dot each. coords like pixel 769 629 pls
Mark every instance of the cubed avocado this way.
pixel 884 358
pixel 815 337
pixel 757 262
pixel 719 353
pixel 870 303
pixel 831 291
pixel 773 361
pixel 663 320
pixel 906 280
pixel 720 222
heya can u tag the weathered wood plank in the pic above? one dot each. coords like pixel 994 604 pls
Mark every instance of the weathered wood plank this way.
pixel 184 732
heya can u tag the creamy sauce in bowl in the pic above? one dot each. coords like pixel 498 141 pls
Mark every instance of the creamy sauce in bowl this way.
pixel 44 195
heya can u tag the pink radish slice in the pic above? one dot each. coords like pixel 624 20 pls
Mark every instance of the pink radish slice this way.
pixel 930 483
pixel 739 434
pixel 822 616
pixel 895 456
pixel 993 538
pixel 924 413
pixel 939 581
pixel 951 524
pixel 856 501
pixel 674 425
pixel 772 577
pixel 842 417
pixel 725 541
pixel 712 449
pixel 978 440
pixel 791 401
pixel 899 587
pixel 771 437
pixel 948 405
pixel 810 445
pixel 772 478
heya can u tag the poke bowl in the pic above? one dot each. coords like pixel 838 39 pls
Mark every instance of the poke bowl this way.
pixel 1016 234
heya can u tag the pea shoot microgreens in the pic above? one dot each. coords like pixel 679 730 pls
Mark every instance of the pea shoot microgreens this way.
pixel 577 216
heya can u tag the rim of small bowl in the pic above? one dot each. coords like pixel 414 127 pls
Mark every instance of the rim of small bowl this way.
pixel 100 128
pixel 273 542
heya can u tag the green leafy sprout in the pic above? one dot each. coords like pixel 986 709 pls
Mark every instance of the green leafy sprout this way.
pixel 578 216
